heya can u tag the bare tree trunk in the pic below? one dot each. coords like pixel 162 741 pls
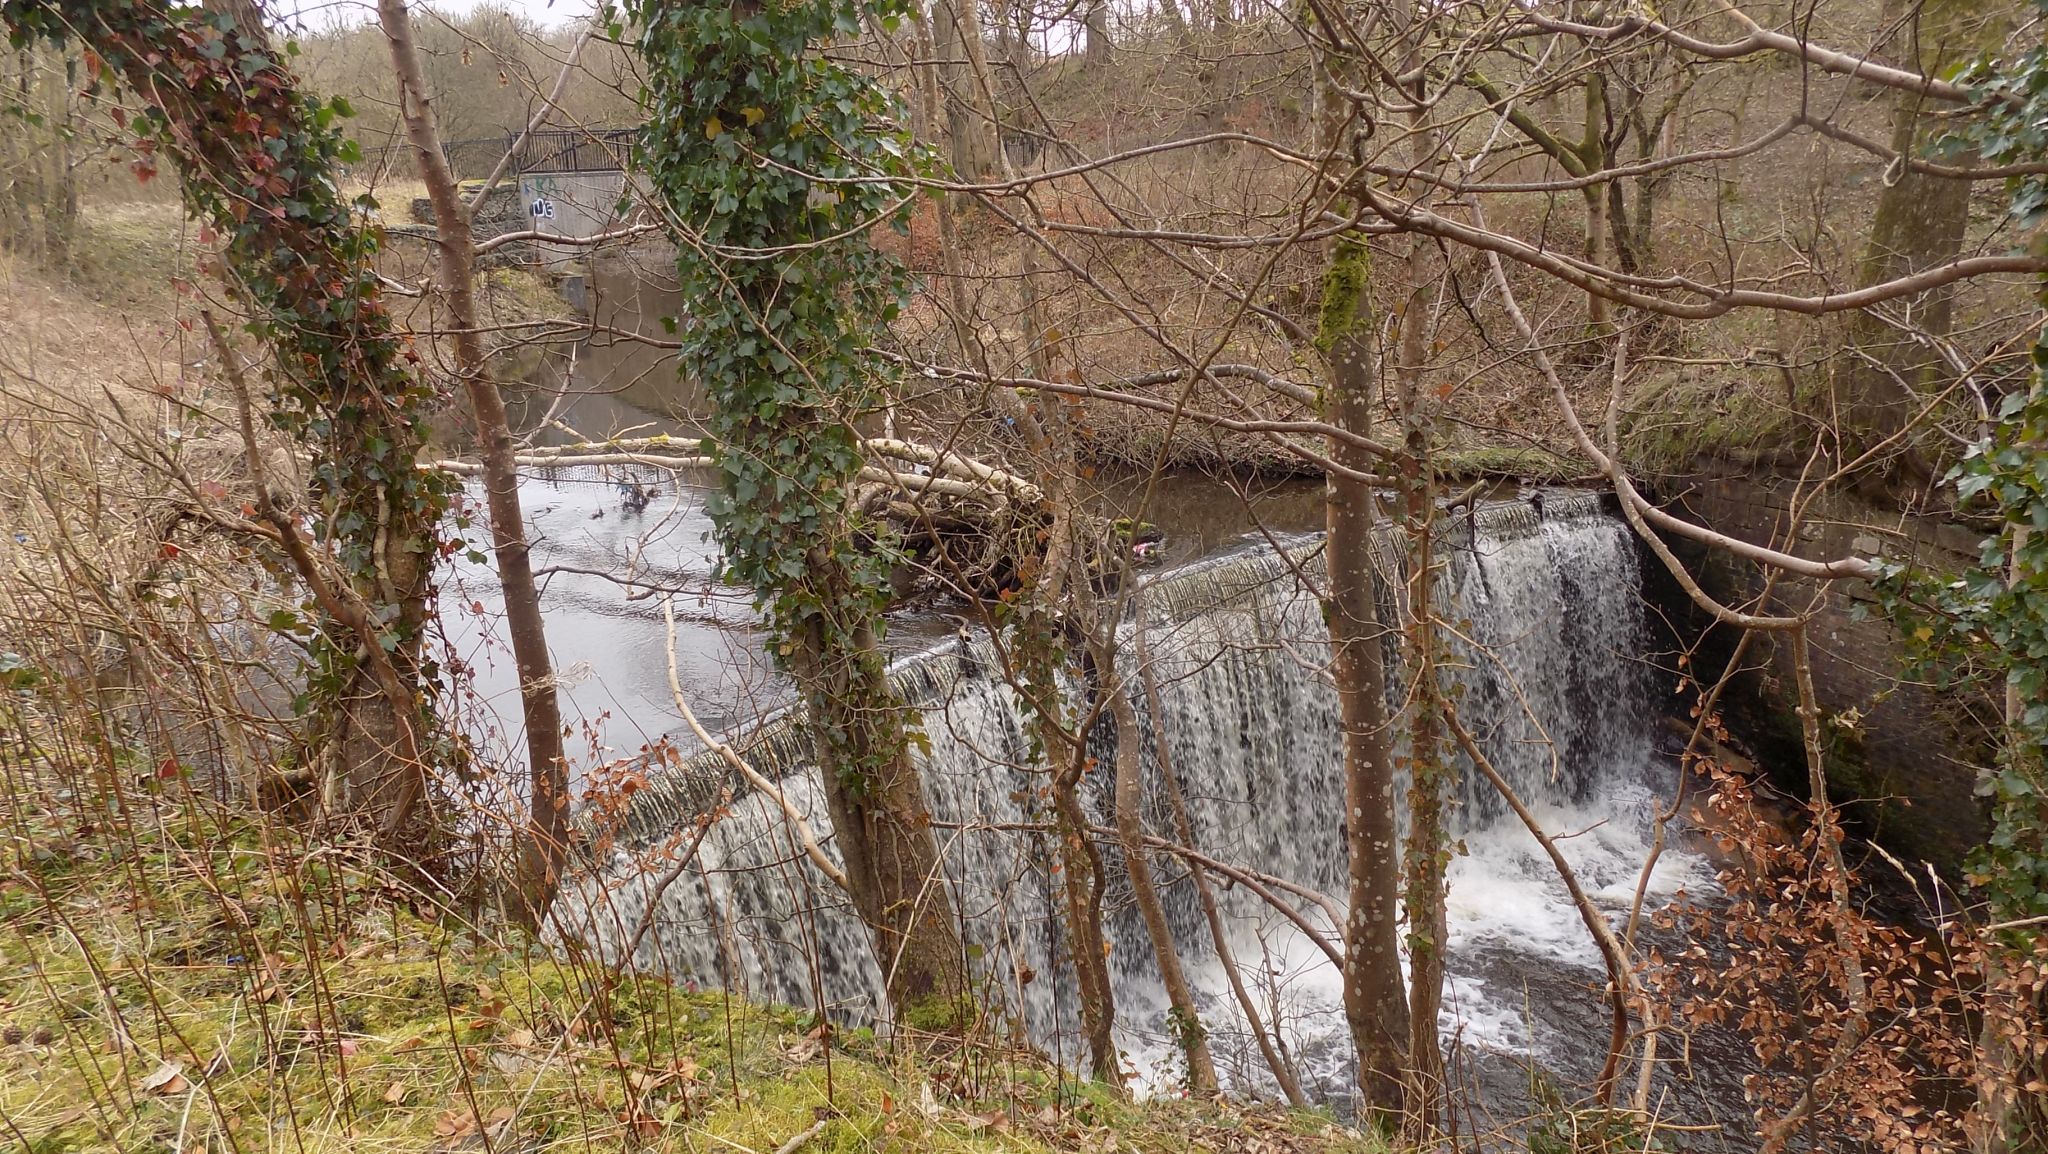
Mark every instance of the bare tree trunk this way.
pixel 60 202
pixel 1580 158
pixel 1920 222
pixel 17 158
pixel 1187 1020
pixel 1426 853
pixel 1080 869
pixel 1850 943
pixel 970 121
pixel 545 840
pixel 1594 156
pixel 1095 34
pixel 1375 1005
pixel 1080 866
pixel 1049 441
pixel 1176 20
pixel 1060 588
pixel 1634 237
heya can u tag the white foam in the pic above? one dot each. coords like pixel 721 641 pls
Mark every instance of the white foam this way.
pixel 1505 892
pixel 1251 723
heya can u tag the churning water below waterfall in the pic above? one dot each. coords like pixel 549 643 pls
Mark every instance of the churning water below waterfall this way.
pixel 1548 674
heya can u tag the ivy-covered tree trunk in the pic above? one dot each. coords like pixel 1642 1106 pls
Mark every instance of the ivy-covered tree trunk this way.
pixel 257 161
pixel 766 152
pixel 879 820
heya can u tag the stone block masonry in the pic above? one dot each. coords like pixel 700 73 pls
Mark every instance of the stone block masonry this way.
pixel 1904 756
pixel 504 210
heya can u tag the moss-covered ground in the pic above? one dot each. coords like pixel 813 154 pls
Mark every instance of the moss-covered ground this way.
pixel 176 975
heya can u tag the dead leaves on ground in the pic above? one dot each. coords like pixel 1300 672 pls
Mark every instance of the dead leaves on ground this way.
pixel 167 1078
pixel 458 1127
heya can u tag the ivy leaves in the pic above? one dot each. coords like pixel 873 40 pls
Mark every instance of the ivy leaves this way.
pixel 2014 96
pixel 1990 624
pixel 258 158
pixel 773 160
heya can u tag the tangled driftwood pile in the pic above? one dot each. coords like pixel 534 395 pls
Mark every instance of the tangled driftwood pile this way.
pixel 967 529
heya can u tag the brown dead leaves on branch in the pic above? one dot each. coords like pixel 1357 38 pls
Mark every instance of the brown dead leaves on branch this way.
pixel 1902 1069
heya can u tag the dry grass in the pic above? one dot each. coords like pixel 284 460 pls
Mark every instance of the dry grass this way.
pixel 179 976
pixel 111 444
pixel 64 341
pixel 132 254
pixel 394 195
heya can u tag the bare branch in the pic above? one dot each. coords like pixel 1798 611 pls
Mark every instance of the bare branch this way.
pixel 504 238
pixel 1758 40
pixel 739 764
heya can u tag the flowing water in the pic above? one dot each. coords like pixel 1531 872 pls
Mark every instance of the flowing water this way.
pixel 1549 675
pixel 1547 672
pixel 605 635
pixel 606 642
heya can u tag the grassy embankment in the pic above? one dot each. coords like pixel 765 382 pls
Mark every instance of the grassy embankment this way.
pixel 177 975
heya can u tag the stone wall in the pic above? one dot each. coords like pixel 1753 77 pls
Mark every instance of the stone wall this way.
pixel 503 211
pixel 1904 757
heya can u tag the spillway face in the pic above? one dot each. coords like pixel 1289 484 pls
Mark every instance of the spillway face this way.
pixel 1542 600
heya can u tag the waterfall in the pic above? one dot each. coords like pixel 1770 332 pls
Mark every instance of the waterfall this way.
pixel 1546 671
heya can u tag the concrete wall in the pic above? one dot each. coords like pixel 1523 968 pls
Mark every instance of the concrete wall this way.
pixel 572 204
pixel 1906 755
pixel 579 204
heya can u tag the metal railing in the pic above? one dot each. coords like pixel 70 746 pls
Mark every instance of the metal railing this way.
pixel 549 150
pixel 573 150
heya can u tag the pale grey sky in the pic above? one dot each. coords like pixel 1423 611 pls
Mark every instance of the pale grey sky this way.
pixel 318 13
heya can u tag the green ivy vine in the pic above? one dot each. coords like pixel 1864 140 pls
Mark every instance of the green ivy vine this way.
pixel 1989 624
pixel 257 159
pixel 775 160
